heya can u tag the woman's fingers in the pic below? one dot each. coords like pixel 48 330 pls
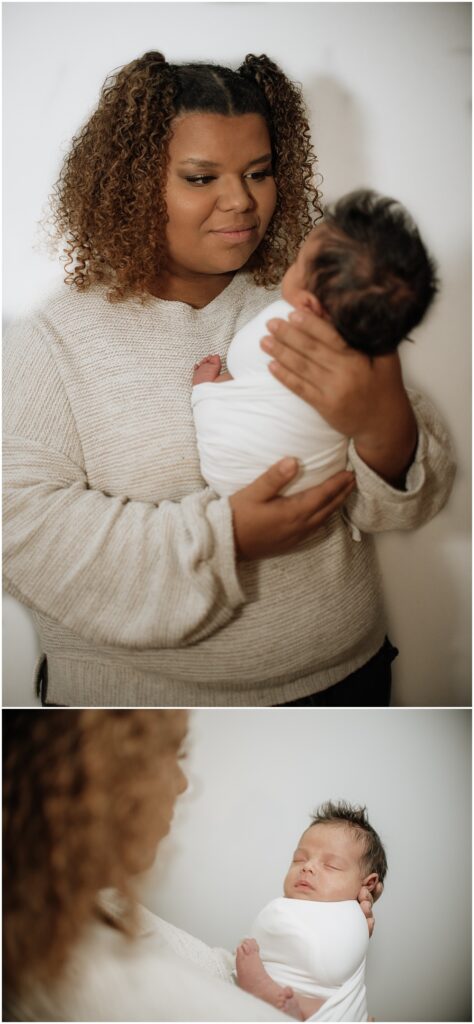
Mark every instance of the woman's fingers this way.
pixel 309 390
pixel 318 327
pixel 331 506
pixel 270 483
pixel 316 499
pixel 295 349
pixel 303 329
pixel 267 524
pixel 377 891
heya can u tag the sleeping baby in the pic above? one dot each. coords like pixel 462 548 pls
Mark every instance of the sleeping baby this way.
pixel 308 948
pixel 364 268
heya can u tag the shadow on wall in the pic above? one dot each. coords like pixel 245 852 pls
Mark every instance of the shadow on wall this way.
pixel 338 129
pixel 431 566
pixel 429 627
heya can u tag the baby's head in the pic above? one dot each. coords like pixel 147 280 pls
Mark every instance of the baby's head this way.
pixel 338 854
pixel 366 269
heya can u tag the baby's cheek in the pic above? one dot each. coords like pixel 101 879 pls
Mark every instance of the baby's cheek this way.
pixel 287 882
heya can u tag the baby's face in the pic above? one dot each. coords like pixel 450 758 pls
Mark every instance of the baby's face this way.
pixel 326 865
pixel 299 278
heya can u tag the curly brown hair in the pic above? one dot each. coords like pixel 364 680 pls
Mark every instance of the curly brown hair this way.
pixel 86 797
pixel 109 202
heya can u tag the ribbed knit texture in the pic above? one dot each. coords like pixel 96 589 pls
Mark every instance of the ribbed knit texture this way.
pixel 128 561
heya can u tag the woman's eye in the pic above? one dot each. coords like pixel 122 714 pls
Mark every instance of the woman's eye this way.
pixel 200 179
pixel 260 175
pixel 204 179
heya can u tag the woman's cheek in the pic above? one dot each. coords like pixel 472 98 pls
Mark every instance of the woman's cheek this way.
pixel 271 201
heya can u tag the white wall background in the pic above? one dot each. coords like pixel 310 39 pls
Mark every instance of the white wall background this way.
pixel 256 776
pixel 388 91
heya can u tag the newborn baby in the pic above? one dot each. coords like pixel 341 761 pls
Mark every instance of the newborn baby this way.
pixel 366 269
pixel 308 948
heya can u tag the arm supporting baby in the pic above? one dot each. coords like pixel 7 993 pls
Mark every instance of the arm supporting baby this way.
pixel 266 523
pixel 361 397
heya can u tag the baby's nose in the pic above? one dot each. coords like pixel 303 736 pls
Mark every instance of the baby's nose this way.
pixel 309 866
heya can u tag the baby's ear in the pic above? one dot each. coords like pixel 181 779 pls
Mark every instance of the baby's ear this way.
pixel 371 881
pixel 309 301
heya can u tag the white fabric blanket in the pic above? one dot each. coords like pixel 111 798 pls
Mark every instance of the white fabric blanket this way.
pixel 319 949
pixel 246 424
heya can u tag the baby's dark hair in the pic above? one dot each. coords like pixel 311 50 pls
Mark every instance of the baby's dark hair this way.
pixel 374 276
pixel 355 818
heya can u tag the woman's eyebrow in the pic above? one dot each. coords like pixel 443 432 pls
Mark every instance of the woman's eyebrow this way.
pixel 197 162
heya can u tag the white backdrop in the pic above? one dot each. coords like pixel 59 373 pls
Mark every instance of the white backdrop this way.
pixel 256 776
pixel 388 91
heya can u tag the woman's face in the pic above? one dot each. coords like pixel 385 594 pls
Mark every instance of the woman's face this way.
pixel 175 784
pixel 159 811
pixel 220 192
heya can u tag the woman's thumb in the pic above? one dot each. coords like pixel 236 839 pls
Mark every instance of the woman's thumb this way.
pixel 271 482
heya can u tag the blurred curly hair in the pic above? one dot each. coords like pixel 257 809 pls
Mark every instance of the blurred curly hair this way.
pixel 109 202
pixel 86 796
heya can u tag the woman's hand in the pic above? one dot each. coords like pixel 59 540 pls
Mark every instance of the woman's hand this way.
pixel 362 398
pixel 267 524
pixel 366 899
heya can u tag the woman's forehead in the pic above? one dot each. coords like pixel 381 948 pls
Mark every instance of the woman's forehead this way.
pixel 210 136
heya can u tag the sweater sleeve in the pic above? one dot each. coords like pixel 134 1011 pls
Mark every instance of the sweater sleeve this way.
pixel 376 505
pixel 115 571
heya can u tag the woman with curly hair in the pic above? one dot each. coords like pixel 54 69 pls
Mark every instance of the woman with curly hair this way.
pixel 87 797
pixel 182 202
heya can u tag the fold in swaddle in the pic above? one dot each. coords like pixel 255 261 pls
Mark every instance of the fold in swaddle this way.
pixel 318 949
pixel 245 425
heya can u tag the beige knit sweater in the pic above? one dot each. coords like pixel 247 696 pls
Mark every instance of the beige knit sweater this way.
pixel 128 561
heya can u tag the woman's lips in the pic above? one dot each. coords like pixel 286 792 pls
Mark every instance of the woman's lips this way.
pixel 236 234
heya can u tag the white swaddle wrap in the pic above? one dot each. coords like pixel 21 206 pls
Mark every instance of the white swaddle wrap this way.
pixel 246 424
pixel 318 949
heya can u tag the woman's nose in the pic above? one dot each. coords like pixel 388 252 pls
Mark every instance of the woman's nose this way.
pixel 182 781
pixel 235 195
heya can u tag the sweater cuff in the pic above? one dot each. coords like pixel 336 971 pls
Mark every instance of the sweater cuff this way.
pixel 372 483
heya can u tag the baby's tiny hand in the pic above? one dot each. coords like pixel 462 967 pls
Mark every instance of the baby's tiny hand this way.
pixel 207 370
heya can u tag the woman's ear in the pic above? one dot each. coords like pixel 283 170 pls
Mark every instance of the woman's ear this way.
pixel 371 881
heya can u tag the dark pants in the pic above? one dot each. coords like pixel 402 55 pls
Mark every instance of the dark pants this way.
pixel 42 686
pixel 368 687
